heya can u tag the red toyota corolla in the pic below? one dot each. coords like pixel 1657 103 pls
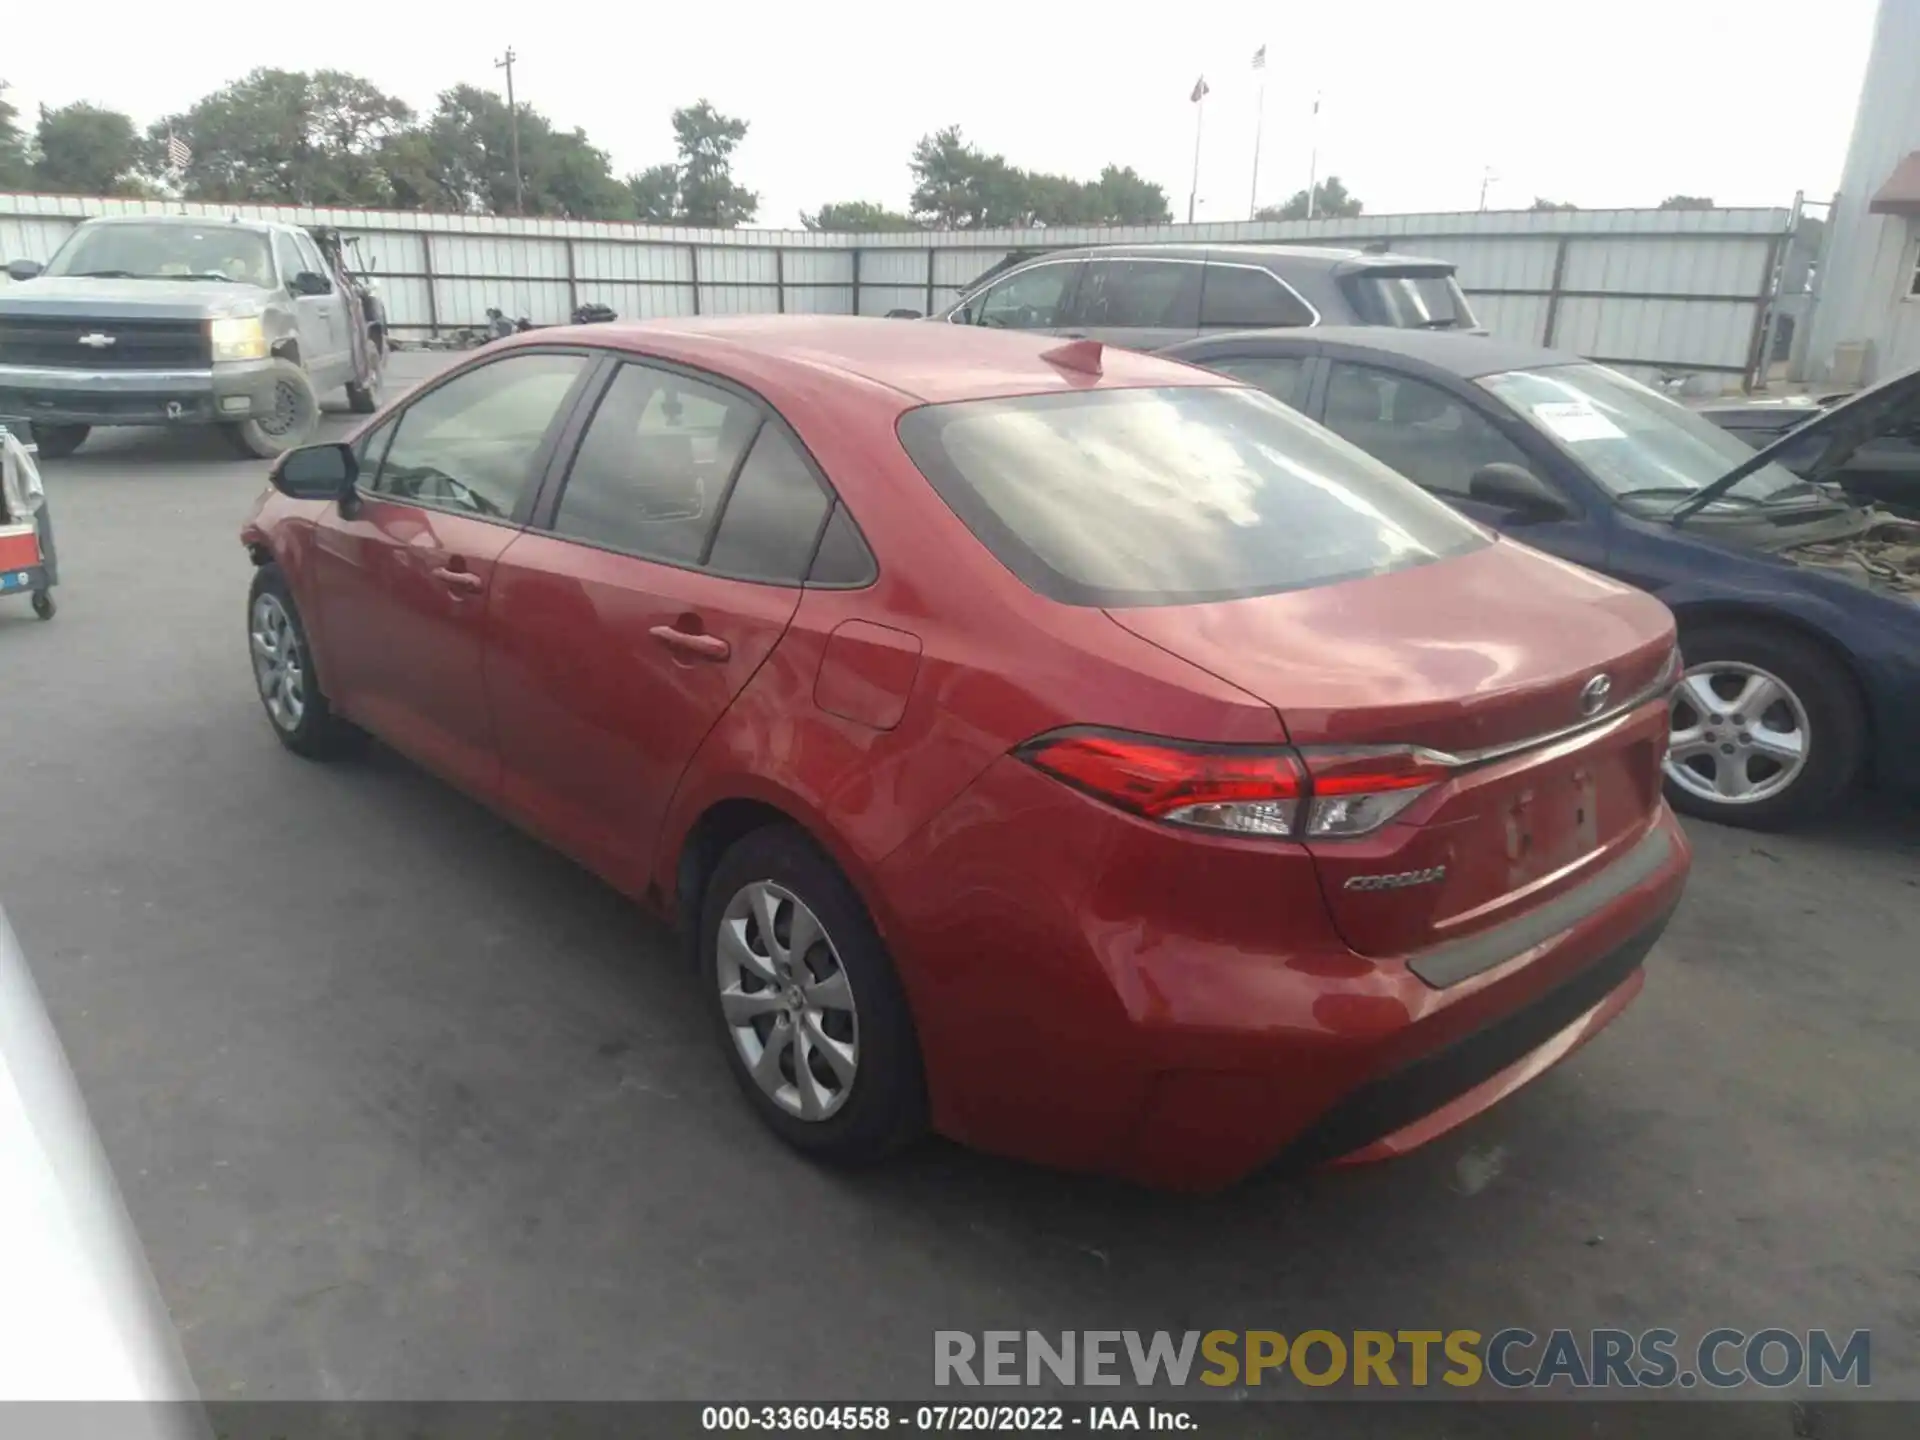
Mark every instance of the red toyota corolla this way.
pixel 1063 748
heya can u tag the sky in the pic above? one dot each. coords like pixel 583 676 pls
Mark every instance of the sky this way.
pixel 1602 105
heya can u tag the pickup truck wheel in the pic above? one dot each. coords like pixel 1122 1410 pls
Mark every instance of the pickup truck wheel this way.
pixel 289 425
pixel 1768 729
pixel 56 442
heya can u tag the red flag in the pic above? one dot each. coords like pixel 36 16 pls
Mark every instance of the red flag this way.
pixel 1199 89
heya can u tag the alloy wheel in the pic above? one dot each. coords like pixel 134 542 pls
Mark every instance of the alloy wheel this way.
pixel 787 1001
pixel 279 666
pixel 1738 734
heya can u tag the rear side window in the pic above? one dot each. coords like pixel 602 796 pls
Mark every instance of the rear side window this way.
pixel 773 516
pixel 1409 300
pixel 1173 496
pixel 1244 297
pixel 1278 375
pixel 1139 294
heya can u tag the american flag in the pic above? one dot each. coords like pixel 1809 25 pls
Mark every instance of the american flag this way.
pixel 179 153
pixel 1260 58
pixel 1200 90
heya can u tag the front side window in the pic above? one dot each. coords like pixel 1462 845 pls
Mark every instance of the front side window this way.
pixel 311 258
pixel 1030 300
pixel 1139 294
pixel 471 444
pixel 1245 297
pixel 1171 496
pixel 292 262
pixel 1432 437
pixel 1637 444
pixel 166 251
pixel 653 467
pixel 1278 375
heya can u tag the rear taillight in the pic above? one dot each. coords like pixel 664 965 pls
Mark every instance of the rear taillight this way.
pixel 1243 790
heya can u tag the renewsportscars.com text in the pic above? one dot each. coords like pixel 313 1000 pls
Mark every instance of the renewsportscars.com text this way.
pixel 1512 1358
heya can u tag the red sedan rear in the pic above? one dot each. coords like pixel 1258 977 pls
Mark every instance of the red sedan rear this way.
pixel 1063 748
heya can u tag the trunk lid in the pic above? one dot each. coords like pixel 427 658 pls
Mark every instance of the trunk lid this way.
pixel 1497 658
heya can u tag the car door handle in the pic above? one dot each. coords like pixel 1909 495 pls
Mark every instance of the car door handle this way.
pixel 707 647
pixel 459 579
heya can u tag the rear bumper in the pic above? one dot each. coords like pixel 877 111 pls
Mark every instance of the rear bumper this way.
pixel 137 397
pixel 1104 994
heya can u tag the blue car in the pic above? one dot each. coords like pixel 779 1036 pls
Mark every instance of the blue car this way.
pixel 1798 602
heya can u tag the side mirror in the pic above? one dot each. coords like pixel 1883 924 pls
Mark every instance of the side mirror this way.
pixel 23 269
pixel 1518 489
pixel 307 282
pixel 316 472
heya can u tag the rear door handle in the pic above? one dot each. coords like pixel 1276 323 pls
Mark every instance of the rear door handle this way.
pixel 707 647
pixel 459 579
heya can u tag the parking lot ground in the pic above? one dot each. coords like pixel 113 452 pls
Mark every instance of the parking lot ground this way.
pixel 405 1106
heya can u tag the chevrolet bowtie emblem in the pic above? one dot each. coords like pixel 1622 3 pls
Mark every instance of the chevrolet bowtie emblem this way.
pixel 97 341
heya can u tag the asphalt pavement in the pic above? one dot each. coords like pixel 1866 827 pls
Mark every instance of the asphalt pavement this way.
pixel 405 1106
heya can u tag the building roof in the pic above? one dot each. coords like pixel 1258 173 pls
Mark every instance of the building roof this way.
pixel 1901 193
pixel 920 359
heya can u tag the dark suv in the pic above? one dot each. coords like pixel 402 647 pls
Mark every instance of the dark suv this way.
pixel 1144 297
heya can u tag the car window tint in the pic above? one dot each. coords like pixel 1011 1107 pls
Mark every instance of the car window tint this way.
pixel 369 450
pixel 470 444
pixel 1172 496
pixel 1278 375
pixel 653 467
pixel 843 559
pixel 1432 437
pixel 1031 300
pixel 1141 294
pixel 310 255
pixel 287 254
pixel 1242 297
pixel 773 515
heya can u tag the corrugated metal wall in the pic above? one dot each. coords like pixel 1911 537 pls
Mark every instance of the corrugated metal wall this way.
pixel 1648 290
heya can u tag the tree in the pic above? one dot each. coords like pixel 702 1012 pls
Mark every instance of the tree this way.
pixel 958 186
pixel 1686 202
pixel 287 137
pixel 84 150
pixel 709 195
pixel 16 169
pixel 1330 201
pixel 656 194
pixel 467 159
pixel 854 217
pixel 1539 204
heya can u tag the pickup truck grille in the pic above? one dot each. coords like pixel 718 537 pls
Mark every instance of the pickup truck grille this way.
pixel 136 344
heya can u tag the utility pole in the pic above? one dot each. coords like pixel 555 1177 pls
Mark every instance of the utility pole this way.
pixel 513 128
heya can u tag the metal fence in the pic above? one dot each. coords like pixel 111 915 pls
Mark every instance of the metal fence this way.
pixel 1651 291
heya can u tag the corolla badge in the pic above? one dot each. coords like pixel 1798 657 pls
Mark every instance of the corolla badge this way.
pixel 1402 881
pixel 1593 695
pixel 97 341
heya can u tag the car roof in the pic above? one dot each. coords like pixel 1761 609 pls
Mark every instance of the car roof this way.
pixel 921 360
pixel 1461 354
pixel 1328 255
pixel 201 222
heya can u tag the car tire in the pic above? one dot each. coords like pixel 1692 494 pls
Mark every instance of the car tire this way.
pixel 296 415
pixel 871 1103
pixel 57 442
pixel 365 399
pixel 1819 714
pixel 285 677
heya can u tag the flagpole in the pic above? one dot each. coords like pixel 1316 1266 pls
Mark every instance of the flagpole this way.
pixel 1199 116
pixel 1313 157
pixel 1259 114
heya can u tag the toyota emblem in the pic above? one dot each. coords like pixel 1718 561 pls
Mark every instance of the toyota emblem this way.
pixel 1593 695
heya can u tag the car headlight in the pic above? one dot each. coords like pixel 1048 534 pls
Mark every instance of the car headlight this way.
pixel 238 339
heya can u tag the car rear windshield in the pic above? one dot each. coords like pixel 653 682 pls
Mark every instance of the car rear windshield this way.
pixel 1173 496
pixel 1409 299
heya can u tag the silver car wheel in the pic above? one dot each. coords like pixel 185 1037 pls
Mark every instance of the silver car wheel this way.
pixel 1738 734
pixel 279 665
pixel 787 1001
